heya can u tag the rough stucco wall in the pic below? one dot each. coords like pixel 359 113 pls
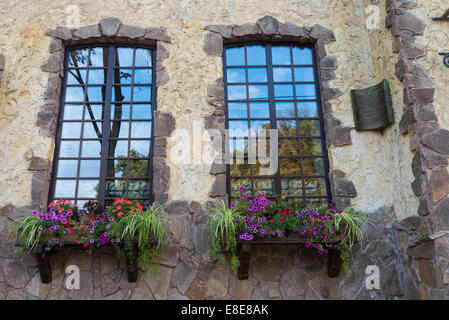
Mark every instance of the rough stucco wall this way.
pixel 25 46
pixel 434 40
pixel 379 166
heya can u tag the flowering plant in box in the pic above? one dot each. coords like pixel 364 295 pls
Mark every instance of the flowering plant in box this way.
pixel 122 207
pixel 55 224
pixel 322 226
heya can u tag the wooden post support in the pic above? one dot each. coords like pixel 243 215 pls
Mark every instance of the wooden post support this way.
pixel 243 251
pixel 132 268
pixel 43 261
pixel 334 263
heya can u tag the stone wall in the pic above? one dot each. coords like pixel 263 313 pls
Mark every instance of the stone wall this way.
pixel 375 170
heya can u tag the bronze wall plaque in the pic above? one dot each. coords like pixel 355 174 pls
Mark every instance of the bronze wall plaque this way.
pixel 372 107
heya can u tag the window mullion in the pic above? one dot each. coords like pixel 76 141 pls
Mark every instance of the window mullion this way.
pixel 106 125
pixel 273 124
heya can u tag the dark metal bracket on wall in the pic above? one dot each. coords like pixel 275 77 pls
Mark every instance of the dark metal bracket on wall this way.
pixel 445 58
pixel 444 17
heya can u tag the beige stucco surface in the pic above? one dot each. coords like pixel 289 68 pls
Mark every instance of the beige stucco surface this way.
pixel 378 165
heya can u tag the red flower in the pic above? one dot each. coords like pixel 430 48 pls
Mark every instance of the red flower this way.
pixel 82 229
pixel 281 213
pixel 290 214
pixel 71 230
pixel 85 244
pixel 271 220
pixel 283 219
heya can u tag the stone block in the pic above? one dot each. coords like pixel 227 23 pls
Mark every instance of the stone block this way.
pixel 110 26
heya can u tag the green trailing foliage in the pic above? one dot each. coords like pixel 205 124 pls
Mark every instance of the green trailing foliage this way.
pixel 149 227
pixel 222 223
pixel 355 228
pixel 25 229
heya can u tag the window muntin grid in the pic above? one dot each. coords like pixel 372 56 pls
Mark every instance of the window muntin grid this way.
pixel 276 87
pixel 105 131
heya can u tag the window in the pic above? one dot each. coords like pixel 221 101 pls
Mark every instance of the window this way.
pixel 276 87
pixel 103 146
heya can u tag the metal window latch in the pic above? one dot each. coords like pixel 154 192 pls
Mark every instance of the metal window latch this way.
pixel 444 17
pixel 445 58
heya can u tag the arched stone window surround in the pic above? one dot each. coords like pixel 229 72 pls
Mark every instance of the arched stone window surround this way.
pixel 108 30
pixel 268 29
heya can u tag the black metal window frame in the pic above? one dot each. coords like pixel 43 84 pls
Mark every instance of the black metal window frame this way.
pixel 109 84
pixel 274 118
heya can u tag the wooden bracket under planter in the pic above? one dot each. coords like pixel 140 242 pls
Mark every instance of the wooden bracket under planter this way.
pixel 43 257
pixel 244 251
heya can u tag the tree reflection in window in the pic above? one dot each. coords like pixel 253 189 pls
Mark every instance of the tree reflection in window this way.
pixel 275 87
pixel 105 132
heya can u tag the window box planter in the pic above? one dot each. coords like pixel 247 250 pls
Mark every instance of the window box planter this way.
pixel 136 232
pixel 245 223
pixel 244 251
pixel 43 256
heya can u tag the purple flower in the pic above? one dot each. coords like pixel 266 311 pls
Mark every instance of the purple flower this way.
pixel 117 240
pixel 56 240
pixel 64 221
pixel 111 219
pixel 105 234
pixel 260 194
pixel 70 213
pixel 237 221
pixel 320 251
pixel 232 205
pixel 307 244
pixel 52 210
pixel 91 240
pixel 242 188
pixel 250 209
pixel 313 230
pixel 245 196
pixel 39 229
